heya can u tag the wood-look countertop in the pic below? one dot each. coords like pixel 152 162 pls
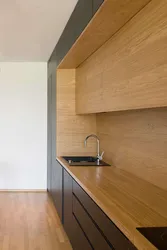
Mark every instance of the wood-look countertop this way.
pixel 127 200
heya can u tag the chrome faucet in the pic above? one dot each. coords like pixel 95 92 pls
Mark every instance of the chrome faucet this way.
pixel 99 157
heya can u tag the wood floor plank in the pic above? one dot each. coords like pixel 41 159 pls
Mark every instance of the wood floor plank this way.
pixel 29 221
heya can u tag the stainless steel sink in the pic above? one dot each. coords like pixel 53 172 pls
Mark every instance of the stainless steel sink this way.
pixel 84 161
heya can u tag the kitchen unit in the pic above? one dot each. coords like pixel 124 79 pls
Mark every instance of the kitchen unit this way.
pixel 114 205
pixel 107 76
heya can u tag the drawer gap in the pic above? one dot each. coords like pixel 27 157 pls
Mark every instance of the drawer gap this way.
pixel 83 230
pixel 108 242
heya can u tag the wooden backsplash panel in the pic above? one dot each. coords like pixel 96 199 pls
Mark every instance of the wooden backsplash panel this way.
pixel 130 70
pixel 136 141
pixel 71 129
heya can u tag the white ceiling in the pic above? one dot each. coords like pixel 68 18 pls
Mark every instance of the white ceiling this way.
pixel 30 29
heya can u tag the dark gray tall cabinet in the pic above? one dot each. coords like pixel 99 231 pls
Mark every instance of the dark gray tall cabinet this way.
pixel 82 14
pixel 96 5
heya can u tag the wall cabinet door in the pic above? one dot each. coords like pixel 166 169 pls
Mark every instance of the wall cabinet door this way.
pixel 57 187
pixel 89 93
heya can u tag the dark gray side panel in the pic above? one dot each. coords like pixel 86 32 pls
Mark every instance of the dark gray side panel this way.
pixel 79 19
pixel 96 5
pixel 51 141
pixel 49 132
pixel 57 187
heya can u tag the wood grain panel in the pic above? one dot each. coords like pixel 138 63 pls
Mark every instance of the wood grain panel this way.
pixel 71 128
pixel 130 70
pixel 136 141
pixel 111 16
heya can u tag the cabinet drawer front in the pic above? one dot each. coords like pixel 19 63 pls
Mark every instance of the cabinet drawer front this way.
pixel 113 234
pixel 80 242
pixel 96 239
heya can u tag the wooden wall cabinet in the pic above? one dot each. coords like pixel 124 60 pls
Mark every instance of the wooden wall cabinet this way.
pixel 129 71
pixel 89 92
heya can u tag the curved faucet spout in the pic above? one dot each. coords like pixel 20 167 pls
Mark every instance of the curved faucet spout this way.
pixel 99 157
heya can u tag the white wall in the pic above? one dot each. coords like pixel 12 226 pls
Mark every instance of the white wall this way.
pixel 23 125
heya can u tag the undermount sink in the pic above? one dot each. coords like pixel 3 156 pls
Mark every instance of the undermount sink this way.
pixel 84 161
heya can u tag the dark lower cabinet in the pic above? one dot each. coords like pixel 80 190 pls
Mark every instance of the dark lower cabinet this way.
pixel 57 187
pixel 84 222
pixel 89 227
pixel 67 205
pixel 113 236
pixel 70 223
pixel 81 241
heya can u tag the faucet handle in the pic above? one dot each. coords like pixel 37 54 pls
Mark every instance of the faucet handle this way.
pixel 102 154
pixel 100 157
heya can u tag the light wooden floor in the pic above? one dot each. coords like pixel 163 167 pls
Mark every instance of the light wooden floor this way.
pixel 28 221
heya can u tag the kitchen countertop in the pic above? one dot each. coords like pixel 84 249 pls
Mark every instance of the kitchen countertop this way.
pixel 127 200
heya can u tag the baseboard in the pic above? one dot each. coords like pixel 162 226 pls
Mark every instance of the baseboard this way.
pixel 23 190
